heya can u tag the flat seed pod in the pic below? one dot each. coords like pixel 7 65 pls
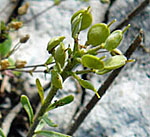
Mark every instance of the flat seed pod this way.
pixel 56 79
pixel 60 54
pixel 5 47
pixel 97 34
pixel 86 18
pixel 115 62
pixel 54 42
pixel 92 62
pixel 113 40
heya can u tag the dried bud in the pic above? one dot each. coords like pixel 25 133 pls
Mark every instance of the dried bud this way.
pixel 4 64
pixel 20 63
pixel 23 9
pixel 24 39
pixel 16 25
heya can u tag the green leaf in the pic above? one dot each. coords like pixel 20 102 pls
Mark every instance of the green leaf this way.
pixel 50 134
pixel 40 125
pixel 28 108
pixel 40 90
pixel 115 62
pixel 5 46
pixel 86 84
pixel 63 101
pixel 2 133
pixel 48 121
pixel 49 60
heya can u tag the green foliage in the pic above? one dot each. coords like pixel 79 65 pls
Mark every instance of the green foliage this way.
pixel 28 108
pixel 50 134
pixel 85 84
pixel 48 121
pixel 64 101
pixel 1 133
pixel 98 37
pixel 40 90
pixel 5 46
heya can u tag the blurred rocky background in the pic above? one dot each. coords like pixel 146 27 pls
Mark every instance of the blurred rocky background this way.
pixel 124 111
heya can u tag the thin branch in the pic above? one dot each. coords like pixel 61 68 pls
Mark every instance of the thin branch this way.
pixel 102 90
pixel 132 14
pixel 40 13
pixel 13 68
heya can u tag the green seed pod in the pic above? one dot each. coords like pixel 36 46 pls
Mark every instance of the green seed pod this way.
pixel 115 62
pixel 56 79
pixel 92 62
pixel 54 42
pixel 97 34
pixel 86 18
pixel 114 39
pixel 5 46
pixel 60 55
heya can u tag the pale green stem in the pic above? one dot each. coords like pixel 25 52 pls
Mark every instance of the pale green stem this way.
pixel 42 111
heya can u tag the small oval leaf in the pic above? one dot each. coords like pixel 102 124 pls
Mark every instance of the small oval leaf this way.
pixel 63 101
pixel 40 90
pixel 28 108
pixel 48 121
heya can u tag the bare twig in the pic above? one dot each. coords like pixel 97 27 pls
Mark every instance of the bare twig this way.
pixel 132 14
pixel 40 13
pixel 102 90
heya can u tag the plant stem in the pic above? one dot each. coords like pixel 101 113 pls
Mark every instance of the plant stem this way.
pixel 51 94
pixel 102 90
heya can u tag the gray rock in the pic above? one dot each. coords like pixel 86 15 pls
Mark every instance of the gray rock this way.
pixel 124 110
